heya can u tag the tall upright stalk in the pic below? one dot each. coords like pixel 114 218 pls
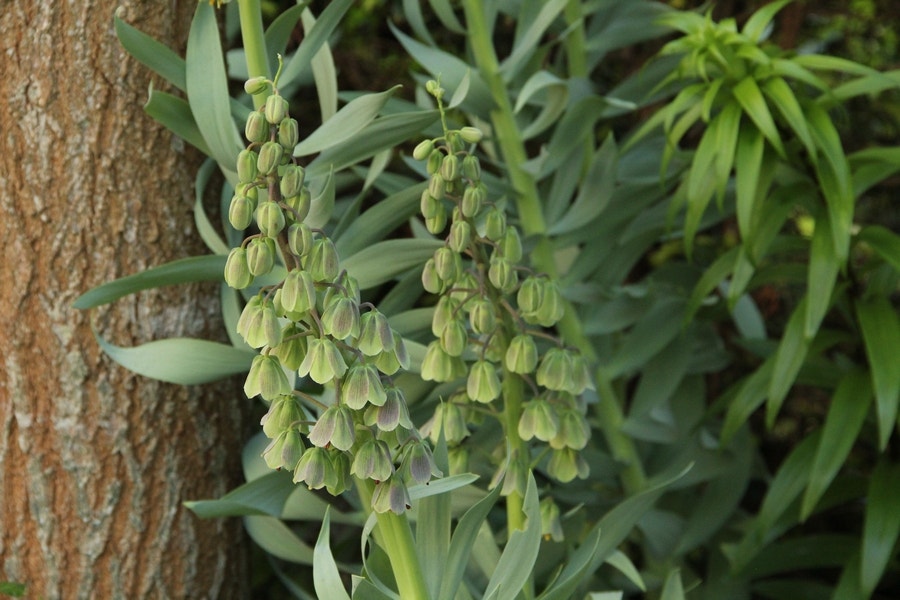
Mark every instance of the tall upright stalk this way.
pixel 253 37
pixel 531 216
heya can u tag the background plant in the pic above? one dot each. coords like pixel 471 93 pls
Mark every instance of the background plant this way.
pixel 662 294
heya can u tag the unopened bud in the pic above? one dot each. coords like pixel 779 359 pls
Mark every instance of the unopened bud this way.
pixel 276 109
pixel 256 85
pixel 552 308
pixel 438 222
pixel 481 316
pixel 428 205
pixel 449 418
pixel 300 204
pixel 292 349
pixel 288 134
pixel 436 186
pixel 376 335
pixel 257 128
pixel 237 273
pixel 454 338
pixel 323 262
pixel 530 296
pixel 502 275
pixel 495 224
pixel 471 168
pixel 446 310
pixel 298 292
pixel 460 236
pixel 300 239
pixel 434 162
pixel 269 218
pixel 471 135
pixel 423 149
pixel 247 168
pixel 555 371
pixel 261 255
pixel 240 212
pixel 431 281
pixel 292 180
pixel 521 355
pixel 445 264
pixel 511 245
pixel 439 366
pixel 450 167
pixel 269 157
pixel 551 527
pixel 472 200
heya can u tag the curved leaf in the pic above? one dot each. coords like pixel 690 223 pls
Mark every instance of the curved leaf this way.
pixel 880 329
pixel 385 260
pixel 326 577
pixel 185 361
pixel 151 53
pixel 881 527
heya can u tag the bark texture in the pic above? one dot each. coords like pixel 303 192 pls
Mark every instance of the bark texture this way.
pixel 95 461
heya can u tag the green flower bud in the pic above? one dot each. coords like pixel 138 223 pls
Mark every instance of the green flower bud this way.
pixel 288 134
pixel 434 162
pixel 495 224
pixel 341 319
pixel 376 335
pixel 261 255
pixel 269 157
pixel 285 450
pixel 313 468
pixel 566 464
pixel 300 204
pixel 373 461
pixel 439 366
pixel 539 420
pixel 460 236
pixel 391 496
pixel 502 275
pixel 418 462
pixel 251 318
pixel 481 316
pixel 251 190
pixel 298 292
pixel 434 88
pixel 337 479
pixel 445 264
pixel 322 262
pixel 521 355
pixel 256 85
pixel 276 109
pixel 552 307
pixel 471 135
pixel 581 379
pixel 471 168
pixel 437 223
pixel 269 218
pixel 530 296
pixel 483 384
pixel 450 167
pixel 334 427
pixel 436 186
pixel 363 386
pixel 423 149
pixel 472 200
pixel 454 338
pixel 257 128
pixel 300 239
pixel 285 412
pixel 449 418
pixel 555 371
pixel 429 205
pixel 247 168
pixel 446 310
pixel 511 245
pixel 292 349
pixel 462 291
pixel 431 281
pixel 323 361
pixel 271 325
pixel 266 378
pixel 292 180
pixel 391 361
pixel 455 141
pixel 240 212
pixel 494 348
pixel 237 273
pixel 574 431
pixel 551 527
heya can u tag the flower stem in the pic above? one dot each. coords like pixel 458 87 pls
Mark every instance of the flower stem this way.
pixel 252 34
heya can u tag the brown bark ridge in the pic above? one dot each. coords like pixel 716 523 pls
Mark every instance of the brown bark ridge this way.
pixel 95 461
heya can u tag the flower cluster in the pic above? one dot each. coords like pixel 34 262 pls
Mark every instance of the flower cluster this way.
pixel 494 317
pixel 312 323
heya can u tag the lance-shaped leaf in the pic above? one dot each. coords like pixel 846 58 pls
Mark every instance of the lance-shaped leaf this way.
pixel 881 335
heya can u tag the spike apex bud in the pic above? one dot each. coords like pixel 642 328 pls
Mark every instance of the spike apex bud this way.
pixel 276 109
pixel 256 85
pixel 471 135
pixel 237 272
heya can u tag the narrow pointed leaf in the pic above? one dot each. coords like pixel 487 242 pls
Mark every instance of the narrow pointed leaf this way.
pixel 749 96
pixel 301 62
pixel 277 539
pixel 880 327
pixel 347 123
pixel 175 114
pixel 788 360
pixel 756 25
pixel 883 241
pixel 326 577
pixel 881 526
pixel 520 552
pixel 823 269
pixel 151 53
pixel 263 496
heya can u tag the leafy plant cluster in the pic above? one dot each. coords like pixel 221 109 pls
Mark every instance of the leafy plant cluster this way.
pixel 531 307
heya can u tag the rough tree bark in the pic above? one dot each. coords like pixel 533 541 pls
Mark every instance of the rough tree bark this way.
pixel 95 461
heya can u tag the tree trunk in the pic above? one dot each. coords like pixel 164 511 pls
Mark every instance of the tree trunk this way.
pixel 95 461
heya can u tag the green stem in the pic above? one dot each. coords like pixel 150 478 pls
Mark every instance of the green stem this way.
pixel 253 36
pixel 395 536
pixel 531 216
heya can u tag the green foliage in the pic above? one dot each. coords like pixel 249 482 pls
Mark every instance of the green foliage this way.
pixel 644 255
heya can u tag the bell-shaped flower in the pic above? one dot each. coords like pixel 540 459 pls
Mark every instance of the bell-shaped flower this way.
pixel 266 378
pixel 323 361
pixel 373 461
pixel 335 427
pixel 376 335
pixel 483 384
pixel 285 412
pixel 362 386
pixel 391 495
